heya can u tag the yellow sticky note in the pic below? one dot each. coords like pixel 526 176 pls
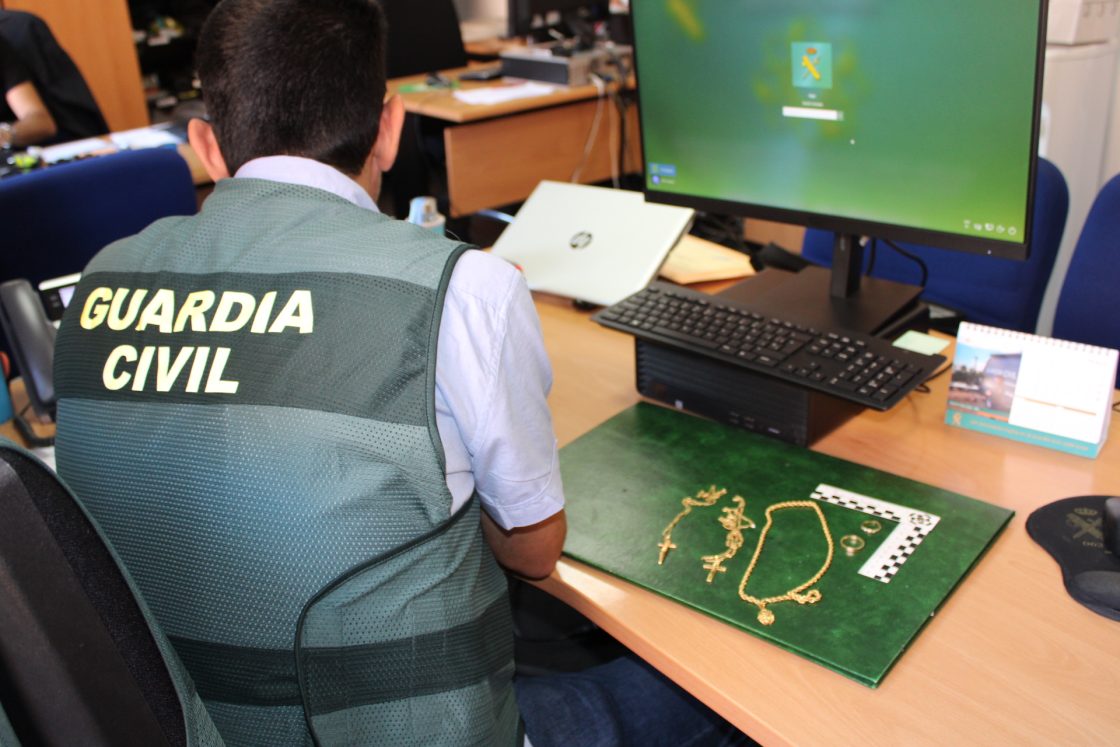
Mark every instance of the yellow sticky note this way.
pixel 920 342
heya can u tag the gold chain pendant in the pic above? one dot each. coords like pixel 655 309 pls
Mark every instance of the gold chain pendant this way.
pixel 703 499
pixel 812 596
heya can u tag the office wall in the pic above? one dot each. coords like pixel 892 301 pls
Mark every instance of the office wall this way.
pixel 98 36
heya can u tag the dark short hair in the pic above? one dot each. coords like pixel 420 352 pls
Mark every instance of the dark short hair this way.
pixel 294 77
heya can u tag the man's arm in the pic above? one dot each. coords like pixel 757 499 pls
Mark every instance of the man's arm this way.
pixel 492 380
pixel 34 122
pixel 530 551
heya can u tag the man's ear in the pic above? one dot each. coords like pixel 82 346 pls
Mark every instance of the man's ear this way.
pixel 389 133
pixel 205 145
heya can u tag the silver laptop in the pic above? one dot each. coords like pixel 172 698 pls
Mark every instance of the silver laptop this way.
pixel 591 244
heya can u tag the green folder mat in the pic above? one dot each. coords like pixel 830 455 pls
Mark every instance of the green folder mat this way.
pixel 624 483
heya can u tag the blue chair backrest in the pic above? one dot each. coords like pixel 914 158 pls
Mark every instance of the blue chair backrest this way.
pixel 54 220
pixel 990 290
pixel 1089 304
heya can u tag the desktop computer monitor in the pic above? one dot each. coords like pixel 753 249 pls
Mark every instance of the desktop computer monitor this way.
pixel 896 119
pixel 423 37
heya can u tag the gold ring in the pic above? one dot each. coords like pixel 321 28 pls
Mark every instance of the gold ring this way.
pixel 852 543
pixel 871 526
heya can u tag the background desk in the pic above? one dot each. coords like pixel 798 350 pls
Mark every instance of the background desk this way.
pixel 496 154
pixel 1009 659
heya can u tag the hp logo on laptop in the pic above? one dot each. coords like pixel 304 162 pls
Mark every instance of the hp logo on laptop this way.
pixel 580 241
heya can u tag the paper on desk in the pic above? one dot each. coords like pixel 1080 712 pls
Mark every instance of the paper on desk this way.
pixel 64 151
pixel 144 137
pixel 694 260
pixel 503 93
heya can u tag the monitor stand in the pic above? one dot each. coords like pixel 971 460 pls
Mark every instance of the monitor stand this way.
pixel 836 299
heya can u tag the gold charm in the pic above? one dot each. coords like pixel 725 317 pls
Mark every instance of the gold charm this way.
pixel 713 564
pixel 810 596
pixel 734 522
pixel 703 498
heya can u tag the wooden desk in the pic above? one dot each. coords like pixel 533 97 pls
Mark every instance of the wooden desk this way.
pixel 1009 659
pixel 496 154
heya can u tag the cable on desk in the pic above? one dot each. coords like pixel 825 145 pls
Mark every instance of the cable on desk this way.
pixel 924 386
pixel 27 433
pixel 872 254
pixel 601 87
pixel 612 142
pixel 621 105
pixel 911 256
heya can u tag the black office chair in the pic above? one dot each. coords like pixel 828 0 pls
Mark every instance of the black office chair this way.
pixel 81 663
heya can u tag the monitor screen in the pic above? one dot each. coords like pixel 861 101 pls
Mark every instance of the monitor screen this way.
pixel 423 37
pixel 901 119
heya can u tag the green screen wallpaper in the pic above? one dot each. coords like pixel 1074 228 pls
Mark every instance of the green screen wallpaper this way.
pixel 907 112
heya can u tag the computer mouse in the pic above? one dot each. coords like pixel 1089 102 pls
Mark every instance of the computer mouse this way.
pixel 438 80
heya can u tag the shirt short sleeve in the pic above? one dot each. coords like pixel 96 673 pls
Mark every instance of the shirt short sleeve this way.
pixel 492 382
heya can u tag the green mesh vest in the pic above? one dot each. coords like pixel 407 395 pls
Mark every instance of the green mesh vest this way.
pixel 246 406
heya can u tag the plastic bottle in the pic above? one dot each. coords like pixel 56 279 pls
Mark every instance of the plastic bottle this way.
pixel 423 212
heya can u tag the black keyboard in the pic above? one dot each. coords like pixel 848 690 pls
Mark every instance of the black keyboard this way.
pixel 861 368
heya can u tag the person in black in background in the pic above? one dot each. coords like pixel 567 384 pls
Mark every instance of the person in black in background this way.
pixel 24 118
pixel 33 63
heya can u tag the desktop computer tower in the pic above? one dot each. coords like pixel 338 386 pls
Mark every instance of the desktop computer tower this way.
pixel 736 396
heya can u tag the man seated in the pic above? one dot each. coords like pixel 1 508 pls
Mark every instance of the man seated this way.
pixel 313 433
pixel 57 81
pixel 24 118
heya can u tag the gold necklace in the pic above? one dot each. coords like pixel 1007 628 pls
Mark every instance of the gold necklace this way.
pixel 766 616
pixel 703 498
pixel 734 522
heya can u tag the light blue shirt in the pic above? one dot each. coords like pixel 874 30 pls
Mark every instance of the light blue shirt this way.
pixel 492 372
